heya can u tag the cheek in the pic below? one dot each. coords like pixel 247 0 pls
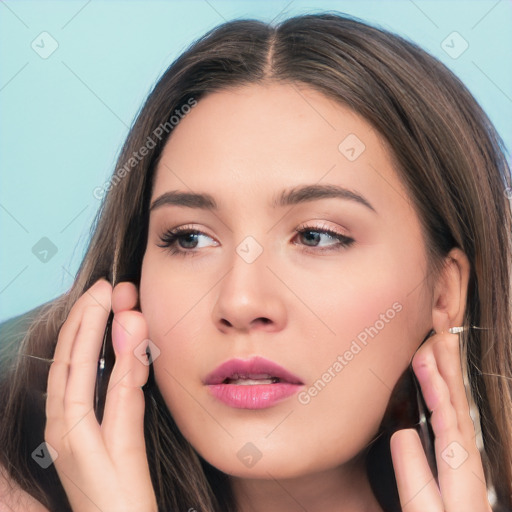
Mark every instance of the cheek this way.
pixel 374 297
pixel 175 306
pixel 378 319
pixel 374 314
pixel 169 297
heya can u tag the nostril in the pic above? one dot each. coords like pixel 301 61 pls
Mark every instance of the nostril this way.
pixel 262 320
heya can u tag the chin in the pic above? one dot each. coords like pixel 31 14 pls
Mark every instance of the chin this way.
pixel 279 459
pixel 266 468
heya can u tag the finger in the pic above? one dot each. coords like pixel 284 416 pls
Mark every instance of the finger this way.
pixel 81 428
pixel 59 370
pixel 417 487
pixel 460 471
pixel 79 396
pixel 95 295
pixel 124 297
pixel 123 420
pixel 447 354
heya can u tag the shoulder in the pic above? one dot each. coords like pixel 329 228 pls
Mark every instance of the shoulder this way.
pixel 14 499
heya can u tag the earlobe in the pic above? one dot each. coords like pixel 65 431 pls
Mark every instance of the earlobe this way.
pixel 450 292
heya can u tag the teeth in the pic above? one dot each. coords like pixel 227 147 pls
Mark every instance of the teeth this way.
pixel 252 382
pixel 254 376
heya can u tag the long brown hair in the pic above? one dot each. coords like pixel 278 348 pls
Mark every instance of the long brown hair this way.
pixel 447 153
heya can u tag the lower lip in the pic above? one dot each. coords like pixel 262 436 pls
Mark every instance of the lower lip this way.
pixel 255 396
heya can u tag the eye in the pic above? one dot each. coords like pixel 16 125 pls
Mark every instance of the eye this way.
pixel 312 237
pixel 183 240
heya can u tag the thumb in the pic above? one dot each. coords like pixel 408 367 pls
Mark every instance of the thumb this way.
pixel 123 420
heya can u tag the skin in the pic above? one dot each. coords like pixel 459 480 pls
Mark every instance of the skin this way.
pixel 295 305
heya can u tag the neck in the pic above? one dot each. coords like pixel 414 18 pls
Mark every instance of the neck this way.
pixel 342 489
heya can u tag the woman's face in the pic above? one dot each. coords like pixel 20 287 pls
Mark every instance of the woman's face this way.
pixel 340 306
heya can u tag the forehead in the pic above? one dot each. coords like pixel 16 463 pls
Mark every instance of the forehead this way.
pixel 251 141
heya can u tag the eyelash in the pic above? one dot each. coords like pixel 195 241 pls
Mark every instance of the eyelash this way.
pixel 171 236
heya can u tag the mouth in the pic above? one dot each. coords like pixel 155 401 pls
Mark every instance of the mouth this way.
pixel 256 383
pixel 251 380
pixel 252 372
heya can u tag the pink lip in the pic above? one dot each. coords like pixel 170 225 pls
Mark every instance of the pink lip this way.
pixel 255 396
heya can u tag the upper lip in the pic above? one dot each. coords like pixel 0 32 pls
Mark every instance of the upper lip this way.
pixel 256 367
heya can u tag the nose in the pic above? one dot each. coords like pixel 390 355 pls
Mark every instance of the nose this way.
pixel 250 297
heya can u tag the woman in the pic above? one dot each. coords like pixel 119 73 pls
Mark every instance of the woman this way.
pixel 298 213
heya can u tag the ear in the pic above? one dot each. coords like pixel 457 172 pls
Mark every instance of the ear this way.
pixel 450 292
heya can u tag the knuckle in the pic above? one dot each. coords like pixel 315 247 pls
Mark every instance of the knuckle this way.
pixel 93 310
pixel 72 404
pixel 75 410
pixel 56 364
pixel 82 366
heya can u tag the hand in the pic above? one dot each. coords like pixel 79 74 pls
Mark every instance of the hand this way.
pixel 462 485
pixel 101 467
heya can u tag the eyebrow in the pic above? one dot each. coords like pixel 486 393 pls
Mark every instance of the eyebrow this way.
pixel 307 193
pixel 288 197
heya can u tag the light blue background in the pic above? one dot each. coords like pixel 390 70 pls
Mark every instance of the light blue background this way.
pixel 64 118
